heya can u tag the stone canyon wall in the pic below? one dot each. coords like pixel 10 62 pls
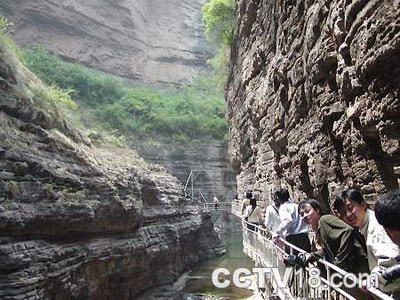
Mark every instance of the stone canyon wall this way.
pixel 84 221
pixel 313 96
pixel 154 41
pixel 213 174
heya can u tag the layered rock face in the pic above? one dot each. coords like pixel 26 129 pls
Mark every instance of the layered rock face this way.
pixel 155 41
pixel 79 221
pixel 213 175
pixel 313 96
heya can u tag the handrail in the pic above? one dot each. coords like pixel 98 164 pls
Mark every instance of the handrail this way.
pixel 269 254
pixel 221 206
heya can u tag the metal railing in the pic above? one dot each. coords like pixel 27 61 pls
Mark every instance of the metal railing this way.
pixel 298 283
pixel 221 206
pixel 237 208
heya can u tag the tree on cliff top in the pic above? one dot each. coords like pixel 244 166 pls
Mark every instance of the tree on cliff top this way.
pixel 218 19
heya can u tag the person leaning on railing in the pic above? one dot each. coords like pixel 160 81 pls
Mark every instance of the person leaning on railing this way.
pixel 332 239
pixel 252 213
pixel 354 211
pixel 291 227
pixel 271 219
pixel 387 212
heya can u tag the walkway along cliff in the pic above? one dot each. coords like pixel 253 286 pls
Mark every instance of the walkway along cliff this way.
pixel 83 221
pixel 313 96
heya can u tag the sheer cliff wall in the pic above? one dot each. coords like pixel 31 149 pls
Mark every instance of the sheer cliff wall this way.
pixel 84 221
pixel 313 96
pixel 154 41
pixel 213 174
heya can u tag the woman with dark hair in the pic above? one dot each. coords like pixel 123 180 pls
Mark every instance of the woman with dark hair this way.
pixel 353 209
pixel 332 239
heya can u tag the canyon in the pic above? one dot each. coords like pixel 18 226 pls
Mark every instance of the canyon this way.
pixel 80 220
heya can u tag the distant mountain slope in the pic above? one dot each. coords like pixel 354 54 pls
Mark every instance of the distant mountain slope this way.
pixel 155 41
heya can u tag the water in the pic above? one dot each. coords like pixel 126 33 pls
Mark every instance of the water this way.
pixel 200 278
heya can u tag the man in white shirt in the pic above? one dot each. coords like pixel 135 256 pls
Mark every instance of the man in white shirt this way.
pixel 272 219
pixel 292 228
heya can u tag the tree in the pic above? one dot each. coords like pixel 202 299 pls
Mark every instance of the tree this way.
pixel 218 19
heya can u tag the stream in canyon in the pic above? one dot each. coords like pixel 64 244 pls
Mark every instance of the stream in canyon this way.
pixel 199 280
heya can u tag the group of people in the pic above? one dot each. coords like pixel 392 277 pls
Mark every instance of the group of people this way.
pixel 350 235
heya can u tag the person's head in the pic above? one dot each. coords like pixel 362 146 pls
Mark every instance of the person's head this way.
pixel 387 212
pixel 249 195
pixel 310 211
pixel 351 207
pixel 276 198
pixel 284 195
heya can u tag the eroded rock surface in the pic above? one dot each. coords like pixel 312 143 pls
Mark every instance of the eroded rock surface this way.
pixel 154 41
pixel 213 174
pixel 83 221
pixel 313 96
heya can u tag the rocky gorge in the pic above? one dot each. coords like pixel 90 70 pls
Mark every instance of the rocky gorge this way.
pixel 84 221
pixel 313 96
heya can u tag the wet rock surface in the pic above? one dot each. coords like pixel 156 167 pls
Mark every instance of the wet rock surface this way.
pixel 79 221
pixel 313 96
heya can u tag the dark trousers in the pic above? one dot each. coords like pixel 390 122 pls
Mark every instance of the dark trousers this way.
pixel 299 240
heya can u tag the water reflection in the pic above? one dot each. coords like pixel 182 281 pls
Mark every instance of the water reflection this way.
pixel 200 279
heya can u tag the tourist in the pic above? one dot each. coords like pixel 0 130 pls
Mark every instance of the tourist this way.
pixel 216 202
pixel 291 226
pixel 353 209
pixel 332 239
pixel 272 220
pixel 253 214
pixel 387 212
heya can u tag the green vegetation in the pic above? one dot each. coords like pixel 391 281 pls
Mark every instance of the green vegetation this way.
pixel 87 87
pixel 193 112
pixel 6 40
pixel 3 24
pixel 54 94
pixel 219 20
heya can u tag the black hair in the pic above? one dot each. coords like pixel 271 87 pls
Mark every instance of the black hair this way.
pixel 316 205
pixel 387 210
pixel 354 195
pixel 249 195
pixel 283 195
pixel 253 202
pixel 338 202
pixel 350 194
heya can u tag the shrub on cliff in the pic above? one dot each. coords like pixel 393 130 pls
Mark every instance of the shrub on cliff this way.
pixel 192 112
pixel 89 87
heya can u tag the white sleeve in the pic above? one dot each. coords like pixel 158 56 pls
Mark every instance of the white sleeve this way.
pixel 246 212
pixel 385 250
pixel 268 217
pixel 285 215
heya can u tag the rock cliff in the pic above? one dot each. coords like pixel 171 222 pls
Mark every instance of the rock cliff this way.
pixel 213 174
pixel 313 96
pixel 155 41
pixel 79 221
